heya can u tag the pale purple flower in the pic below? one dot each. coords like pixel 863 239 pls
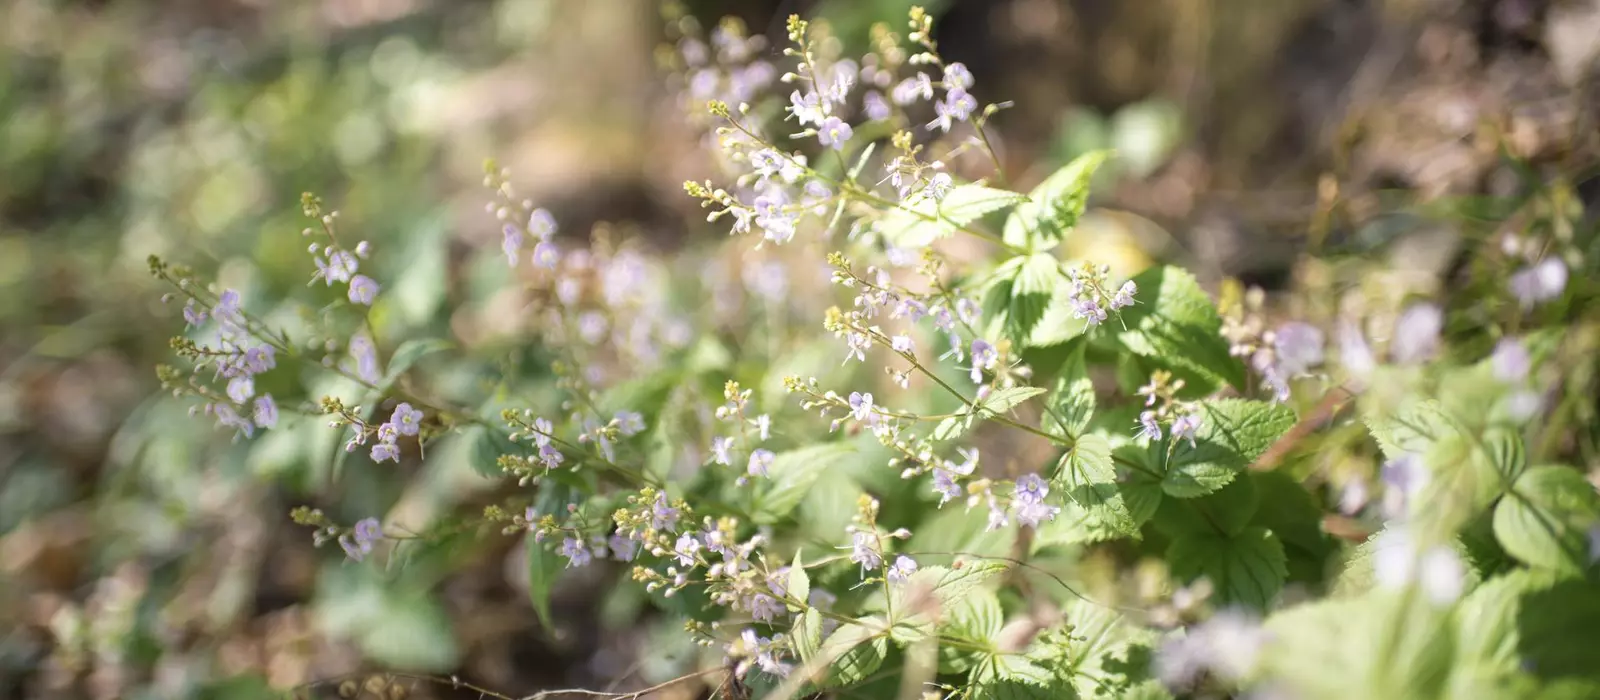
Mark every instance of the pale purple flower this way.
pixel 358 542
pixel 760 462
pixel 406 420
pixel 856 345
pixel 339 266
pixel 227 309
pixel 901 343
pixel 938 186
pixel 193 313
pixel 1437 570
pixel 984 357
pixel 765 608
pixel 861 406
pixel 266 411
pixel 1149 427
pixel 577 555
pixel 623 548
pixel 1298 347
pixel 957 106
pixel 663 516
pixel 1540 282
pixel 968 310
pixel 542 430
pixel 763 425
pixel 630 423
pixel 384 451
pixel 956 75
pixel 1510 361
pixel 875 107
pixel 363 290
pixel 944 484
pixel 550 456
pixel 546 255
pixel 1225 646
pixel 227 417
pixel 1124 296
pixel 807 108
pixel 912 89
pixel 833 132
pixel 241 388
pixel 1416 333
pixel 720 447
pixel 864 550
pixel 1088 309
pixel 259 359
pixel 1030 488
pixel 902 569
pixel 1030 514
pixel 686 549
pixel 1185 426
pixel 541 224
pixel 511 244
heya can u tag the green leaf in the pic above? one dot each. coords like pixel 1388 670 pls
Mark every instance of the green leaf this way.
pixel 544 567
pixel 1248 568
pixel 1544 521
pixel 1232 434
pixel 1531 620
pixel 1073 400
pixel 1012 667
pixel 807 633
pixel 1105 654
pixel 922 222
pixel 1228 509
pixel 1412 430
pixel 1053 207
pixel 955 426
pixel 952 584
pixel 1035 283
pixel 1002 401
pixel 799 584
pixel 792 474
pixel 1087 477
pixel 1379 645
pixel 854 652
pixel 1175 323
pixel 975 617
pixel 1507 455
pixel 409 353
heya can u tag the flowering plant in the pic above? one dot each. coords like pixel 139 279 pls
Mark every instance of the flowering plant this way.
pixel 995 473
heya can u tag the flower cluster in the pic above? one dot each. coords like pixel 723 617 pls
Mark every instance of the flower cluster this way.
pixel 1163 408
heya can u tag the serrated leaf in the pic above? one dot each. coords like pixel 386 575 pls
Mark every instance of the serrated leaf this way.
pixel 1072 401
pixel 1105 654
pixel 924 221
pixel 1001 401
pixel 854 652
pixel 544 567
pixel 976 616
pixel 1088 478
pixel 1248 569
pixel 798 585
pixel 1412 430
pixel 1544 521
pixel 1507 454
pixel 1011 667
pixel 807 633
pixel 954 426
pixel 1232 434
pixel 1035 283
pixel 1175 323
pixel 1229 509
pixel 793 473
pixel 1054 206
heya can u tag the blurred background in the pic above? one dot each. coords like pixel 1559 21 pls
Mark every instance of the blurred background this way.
pixel 142 555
